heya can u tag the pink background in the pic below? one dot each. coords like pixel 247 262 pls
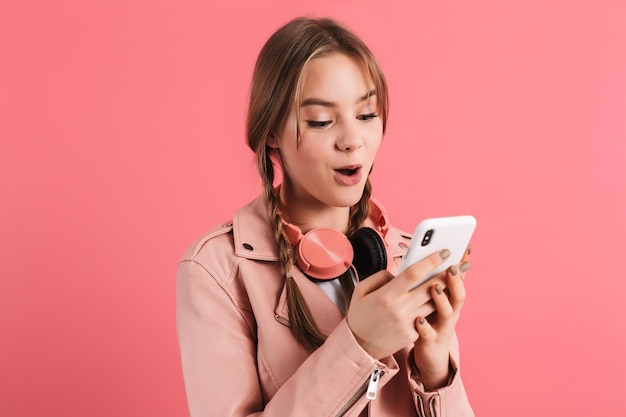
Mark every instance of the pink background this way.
pixel 121 126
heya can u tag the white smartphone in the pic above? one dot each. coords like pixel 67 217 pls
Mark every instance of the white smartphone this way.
pixel 435 234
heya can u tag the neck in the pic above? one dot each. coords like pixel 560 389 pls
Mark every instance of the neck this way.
pixel 307 216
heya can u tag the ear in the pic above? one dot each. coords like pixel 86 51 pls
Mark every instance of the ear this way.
pixel 272 142
pixel 274 154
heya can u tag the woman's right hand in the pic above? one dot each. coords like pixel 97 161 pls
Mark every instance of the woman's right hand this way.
pixel 383 308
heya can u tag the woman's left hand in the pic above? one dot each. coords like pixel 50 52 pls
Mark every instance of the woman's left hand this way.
pixel 432 348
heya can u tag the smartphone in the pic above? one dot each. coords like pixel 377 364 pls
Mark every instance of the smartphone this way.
pixel 435 234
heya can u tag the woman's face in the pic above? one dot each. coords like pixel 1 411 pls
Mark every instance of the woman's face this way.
pixel 340 132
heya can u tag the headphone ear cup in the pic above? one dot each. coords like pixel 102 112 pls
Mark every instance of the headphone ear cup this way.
pixel 370 253
pixel 324 254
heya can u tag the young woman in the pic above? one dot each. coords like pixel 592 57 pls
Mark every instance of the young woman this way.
pixel 274 319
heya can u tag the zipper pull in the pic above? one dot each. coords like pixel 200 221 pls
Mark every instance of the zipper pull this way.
pixel 372 387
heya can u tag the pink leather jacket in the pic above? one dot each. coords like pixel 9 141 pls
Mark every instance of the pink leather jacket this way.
pixel 240 359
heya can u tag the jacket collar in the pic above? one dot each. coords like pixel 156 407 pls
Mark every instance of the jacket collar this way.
pixel 252 232
pixel 254 237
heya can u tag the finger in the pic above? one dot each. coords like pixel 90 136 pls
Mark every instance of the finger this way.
pixel 445 311
pixel 456 288
pixel 463 268
pixel 414 274
pixel 373 283
pixel 426 309
pixel 424 329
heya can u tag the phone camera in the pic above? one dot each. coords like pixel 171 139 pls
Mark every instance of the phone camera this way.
pixel 427 237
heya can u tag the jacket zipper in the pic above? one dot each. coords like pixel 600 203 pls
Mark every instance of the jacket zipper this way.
pixel 369 388
pixel 372 387
pixel 431 405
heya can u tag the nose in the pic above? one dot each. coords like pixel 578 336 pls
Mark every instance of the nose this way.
pixel 350 138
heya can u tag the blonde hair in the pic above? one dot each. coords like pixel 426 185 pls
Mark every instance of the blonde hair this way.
pixel 275 89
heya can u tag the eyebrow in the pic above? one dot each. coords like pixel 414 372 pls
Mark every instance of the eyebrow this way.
pixel 319 102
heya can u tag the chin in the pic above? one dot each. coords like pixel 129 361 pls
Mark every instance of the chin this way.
pixel 348 199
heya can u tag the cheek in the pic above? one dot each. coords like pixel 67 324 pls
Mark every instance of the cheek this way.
pixel 301 159
pixel 375 128
pixel 375 138
pixel 313 149
pixel 310 158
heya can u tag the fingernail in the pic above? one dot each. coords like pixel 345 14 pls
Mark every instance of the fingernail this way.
pixel 464 266
pixel 421 320
pixel 444 253
pixel 438 289
pixel 452 270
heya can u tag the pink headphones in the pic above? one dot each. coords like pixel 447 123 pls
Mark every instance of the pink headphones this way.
pixel 325 254
pixel 321 253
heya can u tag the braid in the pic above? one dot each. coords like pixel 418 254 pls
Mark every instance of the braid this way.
pixel 284 249
pixel 302 324
pixel 360 211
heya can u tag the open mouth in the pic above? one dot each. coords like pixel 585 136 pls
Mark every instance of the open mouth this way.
pixel 348 171
pixel 348 175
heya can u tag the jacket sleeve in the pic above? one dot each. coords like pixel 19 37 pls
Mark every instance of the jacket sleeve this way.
pixel 218 352
pixel 448 401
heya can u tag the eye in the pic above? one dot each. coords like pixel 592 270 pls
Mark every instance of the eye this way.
pixel 367 117
pixel 318 124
